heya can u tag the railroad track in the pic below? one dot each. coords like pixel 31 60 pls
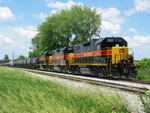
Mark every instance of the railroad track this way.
pixel 130 86
pixel 134 81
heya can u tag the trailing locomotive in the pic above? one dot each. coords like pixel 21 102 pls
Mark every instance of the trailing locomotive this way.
pixel 103 57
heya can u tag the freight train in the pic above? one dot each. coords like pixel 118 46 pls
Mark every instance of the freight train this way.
pixel 103 57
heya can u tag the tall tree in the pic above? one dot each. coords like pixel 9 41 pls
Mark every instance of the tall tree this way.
pixel 21 57
pixel 36 43
pixel 55 31
pixel 85 23
pixel 67 27
pixel 6 57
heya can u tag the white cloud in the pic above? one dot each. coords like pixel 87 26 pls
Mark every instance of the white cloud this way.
pixel 29 31
pixel 142 39
pixel 132 30
pixel 110 14
pixel 40 16
pixel 129 12
pixel 6 15
pixel 131 42
pixel 23 47
pixel 110 28
pixel 16 39
pixel 61 5
pixel 111 20
pixel 138 41
pixel 142 5
pixel 139 6
pixel 4 39
pixel 140 46
pixel 6 43
pixel 31 27
pixel 54 11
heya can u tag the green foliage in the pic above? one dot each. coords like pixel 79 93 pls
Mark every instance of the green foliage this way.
pixel 35 53
pixel 55 31
pixel 85 23
pixel 144 63
pixel 143 74
pixel 21 57
pixel 6 58
pixel 36 42
pixel 21 92
pixel 2 61
pixel 136 64
pixel 143 69
pixel 68 27
pixel 36 49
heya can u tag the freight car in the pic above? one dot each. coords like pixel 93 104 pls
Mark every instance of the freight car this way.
pixel 103 57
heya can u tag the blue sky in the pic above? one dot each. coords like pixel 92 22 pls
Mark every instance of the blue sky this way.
pixel 19 20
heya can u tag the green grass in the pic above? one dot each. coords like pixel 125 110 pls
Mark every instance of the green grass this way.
pixel 143 74
pixel 143 69
pixel 20 92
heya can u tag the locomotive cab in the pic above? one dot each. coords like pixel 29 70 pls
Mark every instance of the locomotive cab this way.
pixel 119 62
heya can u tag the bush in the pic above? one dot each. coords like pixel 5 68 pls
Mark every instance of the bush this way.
pixel 143 69
pixel 144 63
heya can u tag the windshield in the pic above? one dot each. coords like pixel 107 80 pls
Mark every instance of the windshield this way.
pixel 113 42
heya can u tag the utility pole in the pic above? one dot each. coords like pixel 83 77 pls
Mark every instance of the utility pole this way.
pixel 13 55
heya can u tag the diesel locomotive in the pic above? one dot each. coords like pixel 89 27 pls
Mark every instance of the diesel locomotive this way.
pixel 103 57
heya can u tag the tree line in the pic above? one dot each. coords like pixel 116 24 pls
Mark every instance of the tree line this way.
pixel 7 59
pixel 66 28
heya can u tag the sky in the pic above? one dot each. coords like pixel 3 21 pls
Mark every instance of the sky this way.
pixel 19 20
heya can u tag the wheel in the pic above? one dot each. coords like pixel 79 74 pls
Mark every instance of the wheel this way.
pixel 78 70
pixel 64 69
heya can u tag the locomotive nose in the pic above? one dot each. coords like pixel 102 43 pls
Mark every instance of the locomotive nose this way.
pixel 119 54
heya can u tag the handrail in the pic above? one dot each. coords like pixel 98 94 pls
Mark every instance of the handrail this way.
pixel 131 52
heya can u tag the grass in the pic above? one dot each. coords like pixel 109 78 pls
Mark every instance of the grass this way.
pixel 143 69
pixel 143 74
pixel 22 93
